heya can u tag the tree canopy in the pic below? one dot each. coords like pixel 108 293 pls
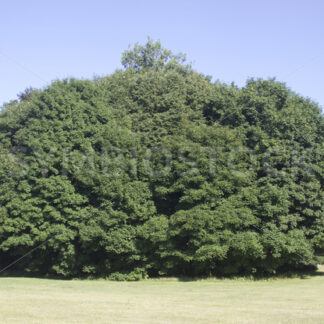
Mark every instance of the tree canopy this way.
pixel 155 170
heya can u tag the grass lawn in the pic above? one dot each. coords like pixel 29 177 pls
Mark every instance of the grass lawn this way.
pixel 25 300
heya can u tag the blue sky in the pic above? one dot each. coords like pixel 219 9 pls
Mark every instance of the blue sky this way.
pixel 41 41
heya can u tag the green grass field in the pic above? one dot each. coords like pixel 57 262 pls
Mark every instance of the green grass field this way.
pixel 25 300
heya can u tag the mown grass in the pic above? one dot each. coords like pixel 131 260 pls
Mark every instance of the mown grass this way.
pixel 27 300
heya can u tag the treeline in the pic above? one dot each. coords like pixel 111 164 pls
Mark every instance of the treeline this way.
pixel 156 170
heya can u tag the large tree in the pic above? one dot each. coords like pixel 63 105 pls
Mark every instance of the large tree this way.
pixel 155 170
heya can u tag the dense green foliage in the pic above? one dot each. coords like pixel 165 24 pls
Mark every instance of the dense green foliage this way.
pixel 155 170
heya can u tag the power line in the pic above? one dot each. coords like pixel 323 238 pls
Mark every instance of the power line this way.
pixel 22 66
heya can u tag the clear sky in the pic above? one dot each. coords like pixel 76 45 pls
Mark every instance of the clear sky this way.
pixel 41 40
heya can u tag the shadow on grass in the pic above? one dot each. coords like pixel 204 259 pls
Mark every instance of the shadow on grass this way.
pixel 18 274
pixel 301 274
pixel 318 272
pixel 305 274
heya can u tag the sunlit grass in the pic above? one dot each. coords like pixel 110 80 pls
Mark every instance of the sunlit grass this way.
pixel 25 300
